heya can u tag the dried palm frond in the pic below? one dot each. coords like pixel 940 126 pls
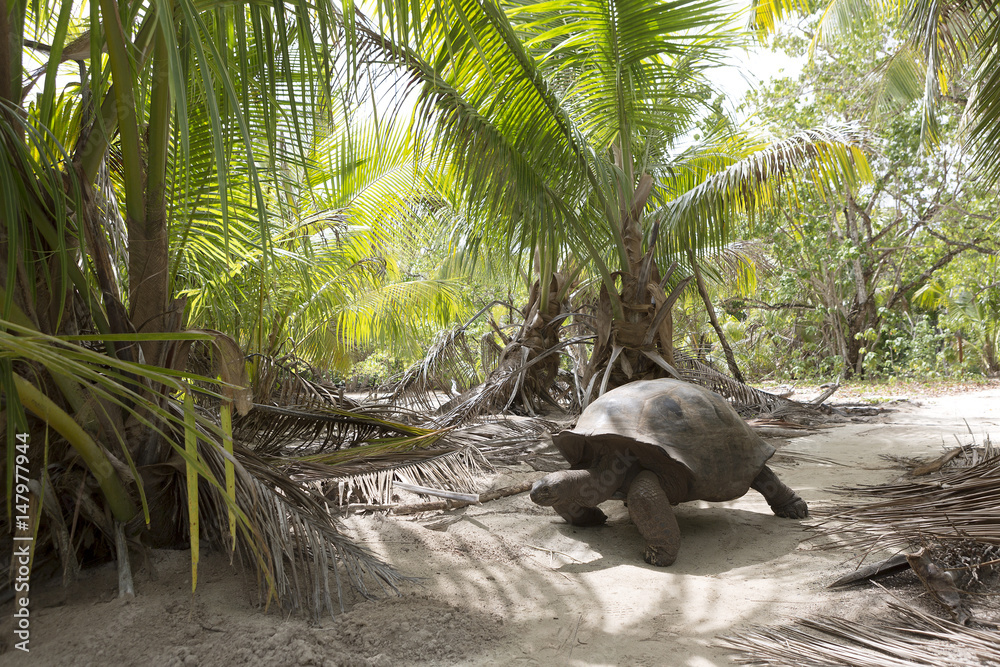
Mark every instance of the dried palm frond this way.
pixel 460 470
pixel 748 401
pixel 451 366
pixel 294 539
pixel 506 385
pixel 954 505
pixel 290 381
pixel 827 641
pixel 504 439
pixel 456 462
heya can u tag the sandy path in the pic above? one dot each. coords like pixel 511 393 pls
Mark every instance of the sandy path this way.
pixel 510 583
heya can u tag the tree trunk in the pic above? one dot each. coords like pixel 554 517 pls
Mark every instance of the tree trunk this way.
pixel 860 319
pixel 730 357
pixel 149 284
pixel 538 334
pixel 11 36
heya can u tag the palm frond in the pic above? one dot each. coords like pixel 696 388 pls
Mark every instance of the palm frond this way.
pixel 748 401
pixel 840 16
pixel 703 201
pixel 280 526
pixel 898 81
pixel 916 638
pixel 450 365
pixel 304 545
pixel 394 312
pixel 371 482
pixel 318 430
pixel 984 107
pixel 954 506
pixel 635 67
pixel 765 16
pixel 289 381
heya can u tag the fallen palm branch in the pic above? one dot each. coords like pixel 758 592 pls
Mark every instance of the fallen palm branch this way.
pixel 496 494
pixel 276 527
pixel 958 504
pixel 915 638
pixel 449 366
pixel 290 381
pixel 372 482
pixel 357 457
pixel 950 513
pixel 298 541
pixel 504 387
pixel 749 401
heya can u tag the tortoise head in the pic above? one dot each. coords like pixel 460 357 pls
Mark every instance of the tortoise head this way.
pixel 554 487
pixel 583 487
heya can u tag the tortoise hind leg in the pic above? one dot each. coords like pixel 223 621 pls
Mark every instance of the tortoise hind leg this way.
pixel 649 508
pixel 783 501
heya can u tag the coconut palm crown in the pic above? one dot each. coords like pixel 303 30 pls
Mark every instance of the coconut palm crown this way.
pixel 568 129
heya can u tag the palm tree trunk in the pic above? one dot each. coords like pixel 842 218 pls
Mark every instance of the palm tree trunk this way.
pixel 145 221
pixel 150 291
pixel 11 36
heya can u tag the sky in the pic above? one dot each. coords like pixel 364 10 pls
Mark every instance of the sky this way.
pixel 748 69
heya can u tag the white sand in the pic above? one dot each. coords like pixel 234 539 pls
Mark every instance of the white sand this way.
pixel 511 583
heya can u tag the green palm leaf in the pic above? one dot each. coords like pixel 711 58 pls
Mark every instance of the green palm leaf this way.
pixel 717 187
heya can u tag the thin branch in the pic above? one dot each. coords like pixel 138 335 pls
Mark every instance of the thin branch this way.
pixel 763 305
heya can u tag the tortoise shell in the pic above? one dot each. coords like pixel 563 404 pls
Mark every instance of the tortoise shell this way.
pixel 672 427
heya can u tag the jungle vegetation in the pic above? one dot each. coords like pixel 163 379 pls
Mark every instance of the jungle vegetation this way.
pixel 217 213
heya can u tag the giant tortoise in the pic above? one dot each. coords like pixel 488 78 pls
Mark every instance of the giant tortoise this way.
pixel 657 443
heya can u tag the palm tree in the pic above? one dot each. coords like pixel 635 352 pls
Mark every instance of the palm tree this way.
pixel 330 285
pixel 561 125
pixel 159 175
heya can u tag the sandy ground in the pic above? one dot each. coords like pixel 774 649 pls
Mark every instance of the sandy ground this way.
pixel 508 583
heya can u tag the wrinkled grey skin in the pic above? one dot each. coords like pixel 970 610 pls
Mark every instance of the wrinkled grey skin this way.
pixel 657 443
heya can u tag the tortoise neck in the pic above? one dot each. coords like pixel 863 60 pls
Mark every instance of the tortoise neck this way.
pixel 600 482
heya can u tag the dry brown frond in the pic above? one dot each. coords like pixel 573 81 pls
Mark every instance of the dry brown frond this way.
pixel 916 638
pixel 459 471
pixel 289 381
pixel 303 546
pixel 291 431
pixel 956 504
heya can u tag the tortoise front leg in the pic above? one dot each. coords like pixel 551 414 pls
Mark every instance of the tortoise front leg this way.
pixel 783 501
pixel 649 508
pixel 578 515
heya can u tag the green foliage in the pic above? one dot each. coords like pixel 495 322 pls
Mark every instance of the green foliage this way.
pixel 376 368
pixel 843 295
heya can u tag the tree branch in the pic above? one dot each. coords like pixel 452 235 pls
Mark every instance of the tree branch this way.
pixel 923 277
pixel 975 244
pixel 757 303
